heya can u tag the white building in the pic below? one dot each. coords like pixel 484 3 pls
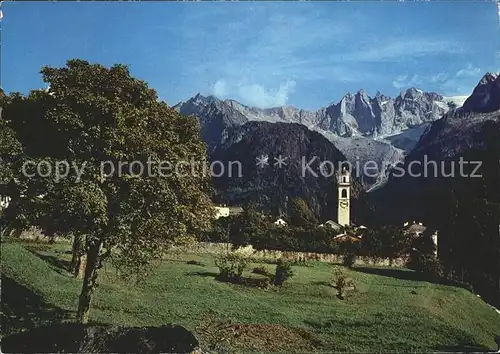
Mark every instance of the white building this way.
pixel 280 222
pixel 221 211
pixel 4 202
pixel 332 224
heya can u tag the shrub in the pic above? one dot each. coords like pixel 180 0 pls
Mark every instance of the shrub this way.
pixel 215 332
pixel 283 272
pixel 231 266
pixel 260 270
pixel 426 264
pixel 264 283
pixel 350 251
pixel 385 242
pixel 348 259
pixel 342 282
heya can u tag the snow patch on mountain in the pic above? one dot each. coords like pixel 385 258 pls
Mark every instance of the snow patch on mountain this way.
pixel 458 100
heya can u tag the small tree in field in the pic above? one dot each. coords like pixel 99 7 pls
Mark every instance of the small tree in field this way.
pixel 106 124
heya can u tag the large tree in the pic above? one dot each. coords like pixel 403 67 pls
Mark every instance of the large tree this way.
pixel 93 117
pixel 10 152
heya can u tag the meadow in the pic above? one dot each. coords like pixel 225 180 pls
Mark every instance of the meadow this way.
pixel 392 309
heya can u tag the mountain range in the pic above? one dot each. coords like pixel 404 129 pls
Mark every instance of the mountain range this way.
pixel 380 129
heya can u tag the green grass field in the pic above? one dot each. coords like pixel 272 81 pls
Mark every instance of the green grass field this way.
pixel 391 311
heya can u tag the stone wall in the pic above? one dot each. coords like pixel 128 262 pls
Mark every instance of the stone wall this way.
pixel 208 247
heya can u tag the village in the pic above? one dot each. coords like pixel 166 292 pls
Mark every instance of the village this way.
pixel 252 177
pixel 343 229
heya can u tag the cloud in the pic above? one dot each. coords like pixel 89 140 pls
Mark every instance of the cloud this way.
pixel 397 49
pixel 461 82
pixel 274 44
pixel 402 81
pixel 249 55
pixel 468 71
pixel 455 83
pixel 255 95
pixel 439 77
pixel 258 96
pixel 219 89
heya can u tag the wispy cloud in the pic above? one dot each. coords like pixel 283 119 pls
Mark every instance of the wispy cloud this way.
pixel 255 95
pixel 219 89
pixel 262 55
pixel 395 48
pixel 459 82
pixel 403 81
pixel 468 71
pixel 462 82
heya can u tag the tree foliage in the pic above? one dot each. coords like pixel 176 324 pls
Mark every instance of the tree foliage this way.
pixel 385 241
pixel 301 215
pixel 248 226
pixel 92 116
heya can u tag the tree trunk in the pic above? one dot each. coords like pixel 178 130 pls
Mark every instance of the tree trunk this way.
pixel 89 281
pixel 80 267
pixel 76 259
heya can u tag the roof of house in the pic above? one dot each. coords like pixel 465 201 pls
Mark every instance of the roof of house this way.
pixel 415 228
pixel 235 210
pixel 345 237
pixel 332 223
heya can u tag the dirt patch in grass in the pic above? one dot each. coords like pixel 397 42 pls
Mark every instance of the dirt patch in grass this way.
pixel 272 338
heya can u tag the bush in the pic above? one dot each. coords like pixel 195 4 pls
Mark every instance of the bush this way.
pixel 348 259
pixel 231 266
pixel 342 282
pixel 260 270
pixel 350 251
pixel 384 242
pixel 215 332
pixel 426 264
pixel 283 272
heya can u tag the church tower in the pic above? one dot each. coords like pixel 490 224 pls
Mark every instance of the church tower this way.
pixel 344 205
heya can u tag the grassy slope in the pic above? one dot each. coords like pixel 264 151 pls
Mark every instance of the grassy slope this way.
pixel 388 313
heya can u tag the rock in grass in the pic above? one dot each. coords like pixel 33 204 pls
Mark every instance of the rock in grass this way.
pixel 79 338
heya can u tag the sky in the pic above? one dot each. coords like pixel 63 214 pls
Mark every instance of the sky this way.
pixel 263 54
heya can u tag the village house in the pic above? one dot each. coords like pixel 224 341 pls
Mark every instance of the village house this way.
pixel 235 210
pixel 417 229
pixel 332 224
pixel 4 202
pixel 414 229
pixel 222 211
pixel 280 222
pixel 345 237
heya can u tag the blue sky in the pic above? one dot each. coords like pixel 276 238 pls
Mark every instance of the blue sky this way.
pixel 305 54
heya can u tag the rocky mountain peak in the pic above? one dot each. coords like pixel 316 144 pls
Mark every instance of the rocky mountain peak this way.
pixel 412 92
pixel 489 77
pixel 199 98
pixel 363 96
pixel 486 96
pixel 354 114
pixel 347 97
